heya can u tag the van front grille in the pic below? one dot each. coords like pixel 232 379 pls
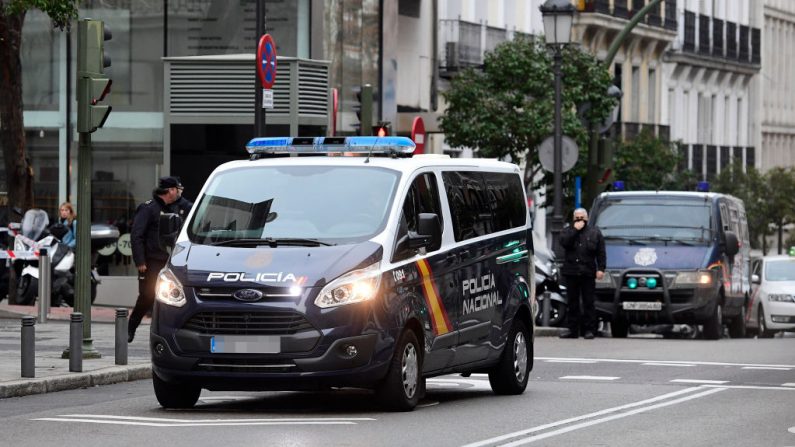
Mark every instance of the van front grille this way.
pixel 248 323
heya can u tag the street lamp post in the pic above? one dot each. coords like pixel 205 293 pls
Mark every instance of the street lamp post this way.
pixel 557 16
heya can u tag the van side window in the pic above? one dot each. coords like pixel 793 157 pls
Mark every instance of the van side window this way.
pixel 422 197
pixel 469 204
pixel 508 204
pixel 724 216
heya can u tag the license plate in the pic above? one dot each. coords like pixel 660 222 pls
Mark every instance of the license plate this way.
pixel 245 344
pixel 642 305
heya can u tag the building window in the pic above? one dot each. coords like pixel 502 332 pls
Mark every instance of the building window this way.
pixel 635 113
pixel 652 91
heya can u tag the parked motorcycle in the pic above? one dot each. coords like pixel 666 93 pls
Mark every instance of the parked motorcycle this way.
pixel 35 233
pixel 547 278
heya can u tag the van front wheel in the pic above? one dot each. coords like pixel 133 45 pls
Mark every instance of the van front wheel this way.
pixel 402 387
pixel 175 395
pixel 510 375
pixel 714 324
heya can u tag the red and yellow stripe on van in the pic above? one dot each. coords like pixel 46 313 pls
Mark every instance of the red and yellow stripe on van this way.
pixel 438 315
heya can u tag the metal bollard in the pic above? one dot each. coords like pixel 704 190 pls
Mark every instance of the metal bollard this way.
pixel 121 336
pixel 45 285
pixel 28 346
pixel 545 308
pixel 76 343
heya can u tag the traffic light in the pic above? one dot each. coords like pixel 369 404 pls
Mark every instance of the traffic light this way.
pixel 364 108
pixel 382 129
pixel 92 83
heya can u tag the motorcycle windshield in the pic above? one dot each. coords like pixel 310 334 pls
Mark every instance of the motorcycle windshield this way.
pixel 34 223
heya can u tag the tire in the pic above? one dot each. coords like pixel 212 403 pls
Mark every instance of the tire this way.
pixel 509 376
pixel 713 326
pixel 619 328
pixel 175 395
pixel 764 332
pixel 401 388
pixel 27 289
pixel 737 325
pixel 557 314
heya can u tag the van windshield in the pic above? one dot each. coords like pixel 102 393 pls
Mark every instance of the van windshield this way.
pixel 653 220
pixel 294 205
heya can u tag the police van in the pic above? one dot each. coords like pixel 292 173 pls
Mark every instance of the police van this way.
pixel 673 257
pixel 362 266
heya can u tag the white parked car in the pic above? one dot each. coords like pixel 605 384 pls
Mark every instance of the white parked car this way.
pixel 772 305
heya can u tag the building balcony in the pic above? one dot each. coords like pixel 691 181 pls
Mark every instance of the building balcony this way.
pixel 630 130
pixel 662 17
pixel 463 44
pixel 723 41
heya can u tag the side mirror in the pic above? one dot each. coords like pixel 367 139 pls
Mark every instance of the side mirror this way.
pixel 429 231
pixel 732 243
pixel 168 230
pixel 755 279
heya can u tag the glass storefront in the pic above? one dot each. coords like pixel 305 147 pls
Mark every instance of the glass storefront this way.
pixel 128 151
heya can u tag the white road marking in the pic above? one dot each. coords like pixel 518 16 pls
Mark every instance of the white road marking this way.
pixel 705 382
pixel 750 387
pixel 788 384
pixel 589 378
pixel 767 368
pixel 583 417
pixel 611 418
pixel 571 361
pixel 666 364
pixel 598 360
pixel 170 422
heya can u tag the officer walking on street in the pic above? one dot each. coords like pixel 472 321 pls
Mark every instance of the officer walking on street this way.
pixel 584 262
pixel 148 256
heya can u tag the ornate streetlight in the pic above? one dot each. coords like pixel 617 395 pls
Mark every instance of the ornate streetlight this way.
pixel 557 16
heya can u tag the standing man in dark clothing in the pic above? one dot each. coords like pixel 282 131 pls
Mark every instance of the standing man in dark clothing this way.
pixel 147 254
pixel 182 206
pixel 583 264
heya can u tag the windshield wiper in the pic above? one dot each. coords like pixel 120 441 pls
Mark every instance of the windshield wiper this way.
pixel 271 242
pixel 631 240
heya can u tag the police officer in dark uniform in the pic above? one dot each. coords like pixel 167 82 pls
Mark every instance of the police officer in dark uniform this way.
pixel 584 262
pixel 147 254
pixel 182 205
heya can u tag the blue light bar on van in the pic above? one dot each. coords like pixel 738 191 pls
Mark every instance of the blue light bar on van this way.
pixel 325 145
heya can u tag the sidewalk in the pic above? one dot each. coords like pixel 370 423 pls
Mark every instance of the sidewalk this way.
pixel 52 338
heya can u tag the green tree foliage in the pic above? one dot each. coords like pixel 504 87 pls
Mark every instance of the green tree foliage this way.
pixel 19 173
pixel 649 163
pixel 754 189
pixel 506 109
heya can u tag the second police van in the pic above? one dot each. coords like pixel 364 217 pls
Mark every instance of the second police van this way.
pixel 366 267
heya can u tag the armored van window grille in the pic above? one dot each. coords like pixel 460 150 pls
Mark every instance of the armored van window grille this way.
pixel 703 34
pixel 731 40
pixel 717 37
pixel 690 32
pixel 756 41
pixel 743 53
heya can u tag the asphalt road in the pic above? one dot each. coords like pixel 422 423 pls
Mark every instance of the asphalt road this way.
pixel 632 392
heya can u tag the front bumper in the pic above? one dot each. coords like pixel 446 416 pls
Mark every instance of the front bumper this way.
pixel 334 347
pixel 686 305
pixel 779 316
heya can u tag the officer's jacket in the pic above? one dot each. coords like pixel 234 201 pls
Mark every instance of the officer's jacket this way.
pixel 585 251
pixel 144 236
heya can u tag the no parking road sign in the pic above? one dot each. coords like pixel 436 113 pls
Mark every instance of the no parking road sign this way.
pixel 266 58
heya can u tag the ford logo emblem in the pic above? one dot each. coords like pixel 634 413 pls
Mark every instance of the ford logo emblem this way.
pixel 247 295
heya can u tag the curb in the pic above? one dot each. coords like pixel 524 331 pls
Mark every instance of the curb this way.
pixel 104 376
pixel 547 331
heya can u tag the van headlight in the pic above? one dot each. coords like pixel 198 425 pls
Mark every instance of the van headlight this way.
pixel 168 289
pixel 699 278
pixel 352 287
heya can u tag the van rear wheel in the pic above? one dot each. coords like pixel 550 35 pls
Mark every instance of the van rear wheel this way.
pixel 510 375
pixel 175 395
pixel 402 387
pixel 737 325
